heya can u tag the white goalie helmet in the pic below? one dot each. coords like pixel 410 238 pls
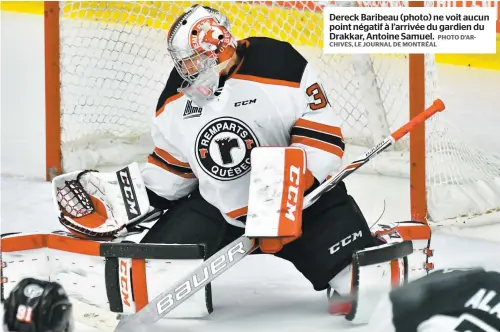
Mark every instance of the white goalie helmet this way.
pixel 200 44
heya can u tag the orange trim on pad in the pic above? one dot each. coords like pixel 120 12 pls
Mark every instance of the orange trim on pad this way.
pixel 139 283
pixel 395 276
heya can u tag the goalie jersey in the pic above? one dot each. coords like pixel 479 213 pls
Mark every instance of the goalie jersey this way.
pixel 446 300
pixel 271 98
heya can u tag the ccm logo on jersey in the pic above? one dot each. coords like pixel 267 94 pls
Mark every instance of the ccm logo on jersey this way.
pixel 345 241
pixel 128 193
pixel 293 192
pixel 245 102
pixel 196 281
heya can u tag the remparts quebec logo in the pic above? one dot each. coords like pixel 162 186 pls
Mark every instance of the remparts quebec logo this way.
pixel 223 148
pixel 191 111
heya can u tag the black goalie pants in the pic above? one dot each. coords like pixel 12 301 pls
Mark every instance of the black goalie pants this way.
pixel 332 228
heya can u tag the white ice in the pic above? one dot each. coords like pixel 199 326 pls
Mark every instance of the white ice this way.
pixel 264 293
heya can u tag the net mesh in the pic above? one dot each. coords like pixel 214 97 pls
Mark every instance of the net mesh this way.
pixel 114 65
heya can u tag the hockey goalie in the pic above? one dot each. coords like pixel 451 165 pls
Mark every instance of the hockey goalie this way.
pixel 243 131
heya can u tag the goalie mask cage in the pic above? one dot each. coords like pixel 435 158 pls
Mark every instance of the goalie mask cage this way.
pixel 107 63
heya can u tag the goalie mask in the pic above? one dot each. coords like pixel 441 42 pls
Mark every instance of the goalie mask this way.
pixel 201 44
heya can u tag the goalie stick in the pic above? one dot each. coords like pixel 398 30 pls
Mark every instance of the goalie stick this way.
pixel 239 248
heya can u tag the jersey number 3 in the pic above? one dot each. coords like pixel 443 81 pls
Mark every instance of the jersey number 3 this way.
pixel 319 96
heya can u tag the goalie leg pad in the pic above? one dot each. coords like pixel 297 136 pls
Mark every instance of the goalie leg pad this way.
pixel 111 276
pixel 333 228
pixel 403 257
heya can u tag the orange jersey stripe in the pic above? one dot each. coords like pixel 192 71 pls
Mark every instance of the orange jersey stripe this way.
pixel 318 145
pixel 170 159
pixel 265 80
pixel 238 212
pixel 247 44
pixel 169 100
pixel 164 166
pixel 332 130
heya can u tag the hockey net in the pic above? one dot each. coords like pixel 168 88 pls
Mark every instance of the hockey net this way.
pixel 113 66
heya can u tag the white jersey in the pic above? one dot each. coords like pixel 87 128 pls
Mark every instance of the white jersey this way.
pixel 272 98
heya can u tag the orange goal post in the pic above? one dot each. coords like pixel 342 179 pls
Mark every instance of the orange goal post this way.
pixel 106 65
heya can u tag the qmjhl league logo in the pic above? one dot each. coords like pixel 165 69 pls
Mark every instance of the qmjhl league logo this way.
pixel 223 148
pixel 191 111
